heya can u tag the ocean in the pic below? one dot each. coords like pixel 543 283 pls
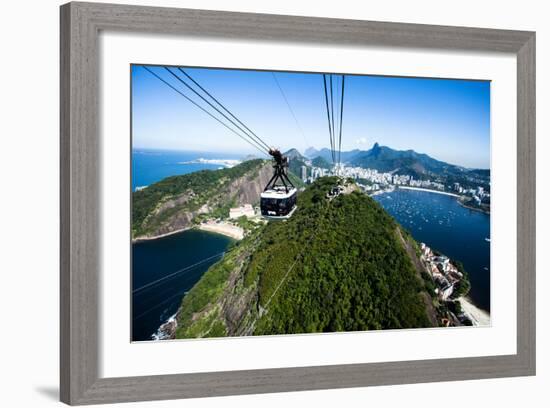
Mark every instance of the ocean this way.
pixel 150 166
pixel 443 224
pixel 164 270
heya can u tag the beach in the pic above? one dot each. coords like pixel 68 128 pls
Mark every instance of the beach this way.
pixel 223 228
pixel 147 238
pixel 478 316
pixel 428 190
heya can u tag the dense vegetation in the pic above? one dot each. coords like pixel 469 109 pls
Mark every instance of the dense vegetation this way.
pixel 201 313
pixel 352 272
pixel 336 265
pixel 321 162
pixel 295 180
pixel 295 163
pixel 200 187
pixel 385 159
pixel 462 288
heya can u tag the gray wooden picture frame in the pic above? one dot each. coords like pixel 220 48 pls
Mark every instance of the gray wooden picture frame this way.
pixel 80 192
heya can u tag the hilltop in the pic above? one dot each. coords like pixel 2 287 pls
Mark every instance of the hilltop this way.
pixel 295 163
pixel 384 159
pixel 321 163
pixel 179 202
pixel 336 265
pixel 325 153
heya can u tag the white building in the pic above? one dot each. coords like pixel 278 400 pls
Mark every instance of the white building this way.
pixel 446 292
pixel 304 173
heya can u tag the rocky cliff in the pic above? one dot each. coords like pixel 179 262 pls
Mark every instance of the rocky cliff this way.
pixel 176 203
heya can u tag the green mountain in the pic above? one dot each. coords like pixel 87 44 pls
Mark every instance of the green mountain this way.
pixel 420 166
pixel 295 163
pixel 321 162
pixel 311 152
pixel 178 202
pixel 336 265
pixel 326 154
pixel 294 154
pixel 385 159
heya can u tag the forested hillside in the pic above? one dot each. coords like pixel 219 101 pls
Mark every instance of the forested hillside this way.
pixel 336 265
pixel 175 202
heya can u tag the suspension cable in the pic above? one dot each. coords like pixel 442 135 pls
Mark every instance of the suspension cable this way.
pixel 328 116
pixel 261 149
pixel 341 118
pixel 250 133
pixel 332 119
pixel 173 274
pixel 259 141
pixel 179 293
pixel 290 109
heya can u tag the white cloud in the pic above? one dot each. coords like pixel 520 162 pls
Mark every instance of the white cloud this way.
pixel 361 141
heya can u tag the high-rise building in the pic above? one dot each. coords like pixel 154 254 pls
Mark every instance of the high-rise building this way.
pixel 304 173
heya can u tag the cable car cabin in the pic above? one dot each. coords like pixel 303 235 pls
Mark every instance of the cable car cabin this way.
pixel 278 200
pixel 278 203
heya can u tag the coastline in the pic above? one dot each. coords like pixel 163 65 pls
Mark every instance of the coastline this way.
pixel 143 239
pixel 479 317
pixel 428 190
pixel 375 193
pixel 481 210
pixel 458 197
pixel 223 228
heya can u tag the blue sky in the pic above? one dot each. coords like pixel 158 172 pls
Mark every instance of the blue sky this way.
pixel 447 119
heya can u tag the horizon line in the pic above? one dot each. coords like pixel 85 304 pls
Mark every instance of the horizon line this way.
pixel 303 154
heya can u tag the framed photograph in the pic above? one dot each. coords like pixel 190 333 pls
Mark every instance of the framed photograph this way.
pixel 261 203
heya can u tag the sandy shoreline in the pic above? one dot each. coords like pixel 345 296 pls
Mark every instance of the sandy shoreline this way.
pixel 142 239
pixel 229 230
pixel 223 228
pixel 478 316
pixel 428 190
pixel 378 192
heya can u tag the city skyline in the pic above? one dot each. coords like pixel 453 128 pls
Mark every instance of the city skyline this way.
pixel 446 119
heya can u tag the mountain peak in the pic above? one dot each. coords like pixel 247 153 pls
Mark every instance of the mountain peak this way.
pixel 311 152
pixel 293 154
pixel 376 149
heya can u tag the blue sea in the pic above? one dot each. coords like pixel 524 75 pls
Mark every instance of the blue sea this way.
pixel 164 270
pixel 443 224
pixel 150 166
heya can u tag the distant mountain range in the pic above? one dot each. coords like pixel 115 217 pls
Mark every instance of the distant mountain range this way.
pixel 325 153
pixel 405 162
pixel 409 162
